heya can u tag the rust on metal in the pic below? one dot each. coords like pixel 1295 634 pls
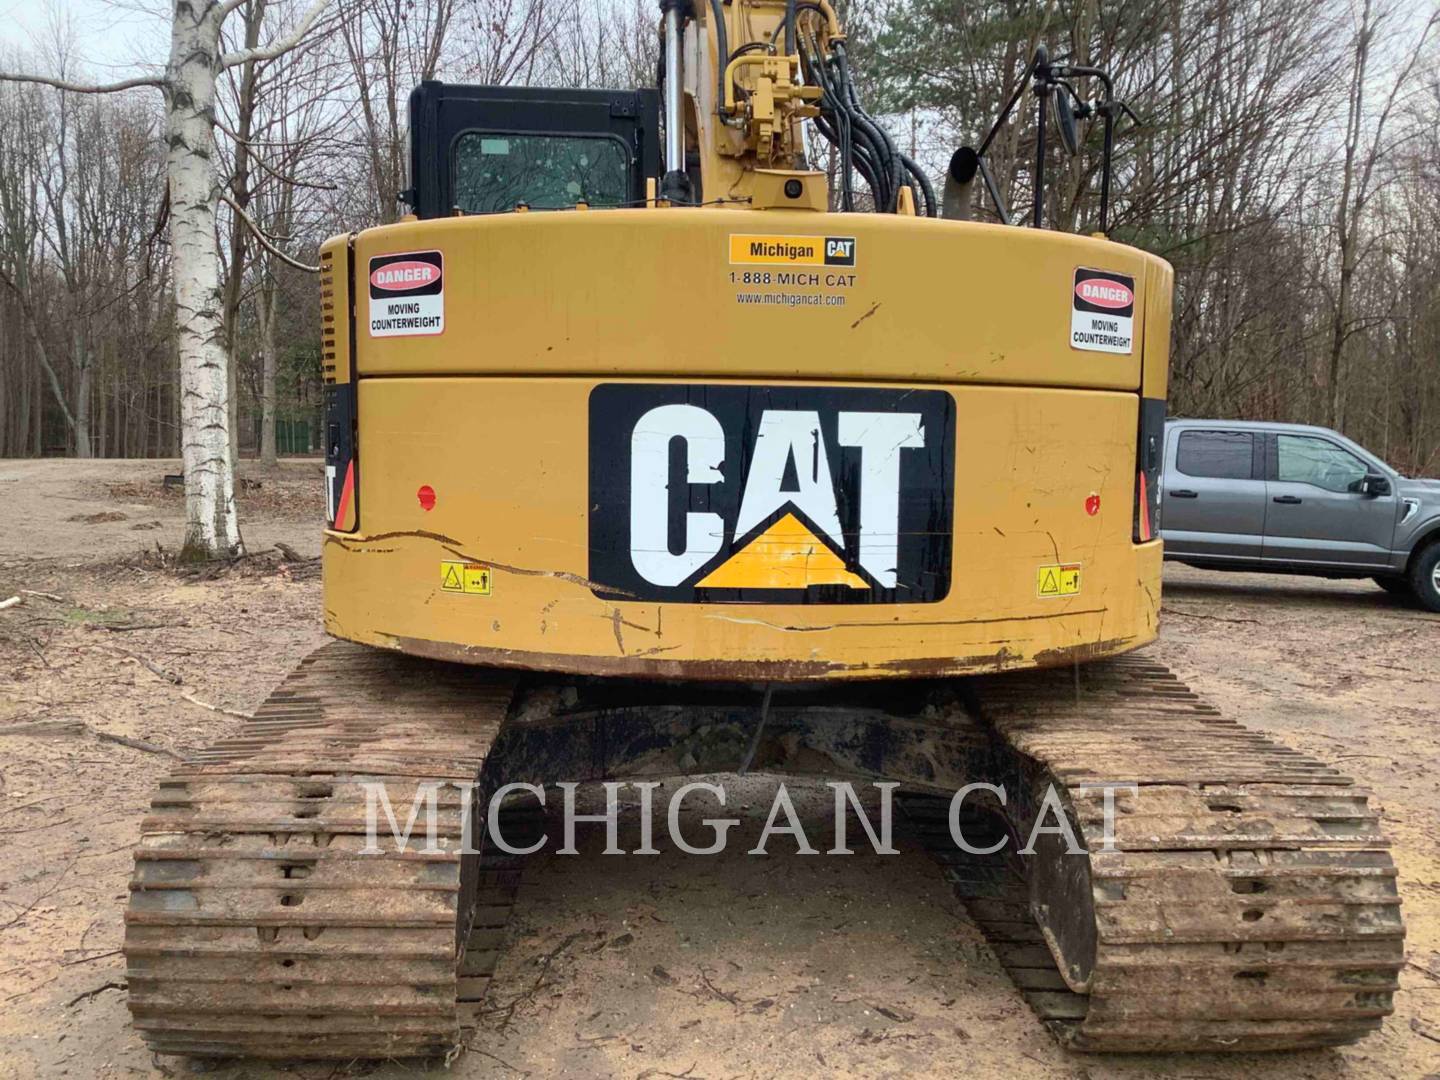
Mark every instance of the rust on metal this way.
pixel 257 928
pixel 647 665
pixel 1249 901
pixel 1246 901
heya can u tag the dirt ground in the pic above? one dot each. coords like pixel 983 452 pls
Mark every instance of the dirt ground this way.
pixel 669 966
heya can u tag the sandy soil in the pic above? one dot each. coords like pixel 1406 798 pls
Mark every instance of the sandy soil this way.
pixel 670 966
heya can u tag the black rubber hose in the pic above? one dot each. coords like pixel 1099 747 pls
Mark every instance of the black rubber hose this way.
pixel 875 173
pixel 889 159
pixel 869 157
pixel 722 53
pixel 883 158
pixel 792 9
pixel 833 123
pixel 789 27
pixel 926 188
pixel 863 144
pixel 841 140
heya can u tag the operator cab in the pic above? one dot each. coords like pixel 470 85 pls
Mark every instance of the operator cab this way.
pixel 495 149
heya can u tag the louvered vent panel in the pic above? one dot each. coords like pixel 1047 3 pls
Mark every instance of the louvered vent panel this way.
pixel 329 326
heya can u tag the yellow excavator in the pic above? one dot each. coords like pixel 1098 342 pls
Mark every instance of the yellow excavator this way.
pixel 654 451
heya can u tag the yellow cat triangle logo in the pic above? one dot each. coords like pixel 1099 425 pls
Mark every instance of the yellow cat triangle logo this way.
pixel 787 555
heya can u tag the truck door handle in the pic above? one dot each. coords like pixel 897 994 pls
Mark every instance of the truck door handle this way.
pixel 1185 493
pixel 1288 500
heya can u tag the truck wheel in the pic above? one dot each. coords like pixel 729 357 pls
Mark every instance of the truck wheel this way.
pixel 1398 587
pixel 1425 577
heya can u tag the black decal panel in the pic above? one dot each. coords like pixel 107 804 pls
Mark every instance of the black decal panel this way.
pixel 771 494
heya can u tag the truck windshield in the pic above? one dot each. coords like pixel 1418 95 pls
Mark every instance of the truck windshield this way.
pixel 496 172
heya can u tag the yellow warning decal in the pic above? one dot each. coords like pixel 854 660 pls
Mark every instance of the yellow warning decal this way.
pixel 785 556
pixel 757 250
pixel 459 577
pixel 1057 581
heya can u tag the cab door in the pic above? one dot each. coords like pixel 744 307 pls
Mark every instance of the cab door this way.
pixel 1214 498
pixel 1317 511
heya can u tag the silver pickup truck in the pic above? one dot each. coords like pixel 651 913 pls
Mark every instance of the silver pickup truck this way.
pixel 1290 498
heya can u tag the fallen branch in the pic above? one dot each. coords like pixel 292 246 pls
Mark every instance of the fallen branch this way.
pixel 45 727
pixel 88 994
pixel 1423 970
pixel 43 595
pixel 9 603
pixel 153 668
pixel 27 805
pixel 34 644
pixel 75 727
pixel 37 828
pixel 138 744
pixel 1424 1030
pixel 27 993
pixel 44 895
pixel 216 708
pixel 688 1074
pixel 499 1061
pixel 91 959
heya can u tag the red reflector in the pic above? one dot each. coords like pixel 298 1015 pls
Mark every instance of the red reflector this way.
pixel 346 491
pixel 426 495
pixel 1092 504
pixel 1144 509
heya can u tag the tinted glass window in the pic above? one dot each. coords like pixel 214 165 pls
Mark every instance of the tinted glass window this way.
pixel 548 172
pixel 1225 455
pixel 1304 459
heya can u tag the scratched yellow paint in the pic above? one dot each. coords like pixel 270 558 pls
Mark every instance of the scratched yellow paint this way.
pixel 540 308
pixel 650 292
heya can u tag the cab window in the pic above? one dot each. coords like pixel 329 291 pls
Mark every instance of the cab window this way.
pixel 496 172
pixel 1304 459
pixel 1223 455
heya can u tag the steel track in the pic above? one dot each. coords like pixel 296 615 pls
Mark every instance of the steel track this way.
pixel 255 926
pixel 1249 902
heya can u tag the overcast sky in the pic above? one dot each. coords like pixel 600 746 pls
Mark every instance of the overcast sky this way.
pixel 111 38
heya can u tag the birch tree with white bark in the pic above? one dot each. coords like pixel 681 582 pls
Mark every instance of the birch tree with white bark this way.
pixel 188 83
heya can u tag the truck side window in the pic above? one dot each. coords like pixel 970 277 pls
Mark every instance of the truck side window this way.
pixel 1303 459
pixel 1224 455
pixel 495 172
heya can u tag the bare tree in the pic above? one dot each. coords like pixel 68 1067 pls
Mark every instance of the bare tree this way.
pixel 1365 145
pixel 196 59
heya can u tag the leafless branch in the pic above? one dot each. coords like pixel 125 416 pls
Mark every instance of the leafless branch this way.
pixel 265 240
pixel 155 81
pixel 275 48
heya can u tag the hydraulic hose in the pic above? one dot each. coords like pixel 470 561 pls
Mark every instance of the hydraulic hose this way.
pixel 722 52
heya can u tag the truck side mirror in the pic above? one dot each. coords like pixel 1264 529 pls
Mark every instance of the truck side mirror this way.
pixel 1374 484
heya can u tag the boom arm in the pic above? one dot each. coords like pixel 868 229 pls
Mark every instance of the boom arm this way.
pixel 748 74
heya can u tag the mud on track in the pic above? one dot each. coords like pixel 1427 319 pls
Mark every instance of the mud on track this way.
pixel 662 966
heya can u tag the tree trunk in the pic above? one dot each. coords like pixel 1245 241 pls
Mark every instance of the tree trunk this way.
pixel 212 525
pixel 81 364
pixel 269 363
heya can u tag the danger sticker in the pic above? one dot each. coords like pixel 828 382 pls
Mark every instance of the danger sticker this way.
pixel 752 250
pixel 459 577
pixel 407 294
pixel 1051 581
pixel 1102 312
